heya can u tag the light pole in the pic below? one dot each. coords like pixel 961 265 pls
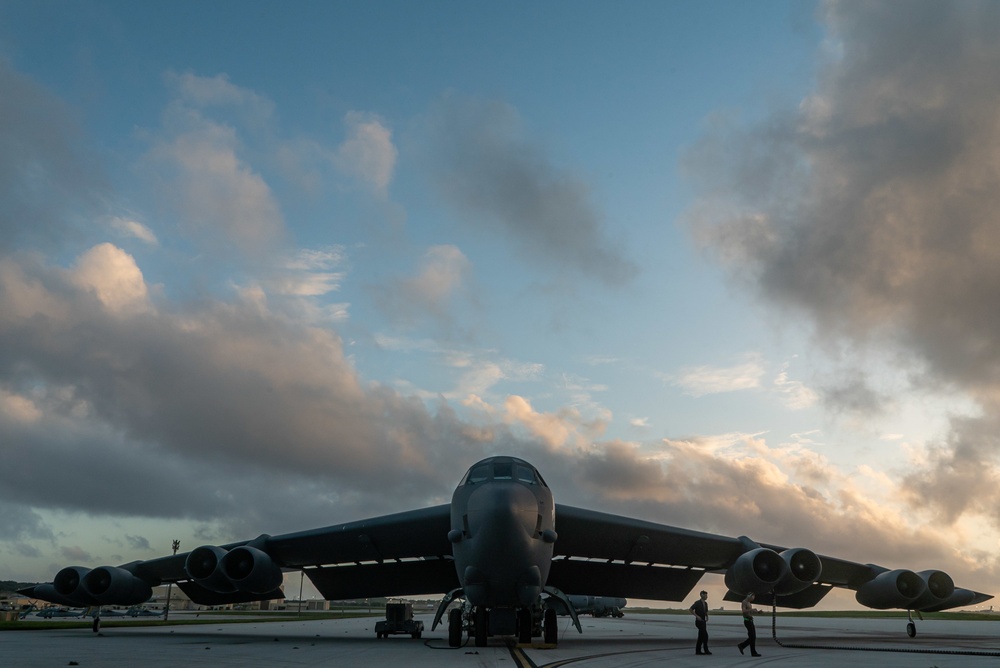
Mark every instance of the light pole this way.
pixel 302 577
pixel 166 611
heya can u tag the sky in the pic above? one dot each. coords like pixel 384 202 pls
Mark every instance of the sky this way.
pixel 729 266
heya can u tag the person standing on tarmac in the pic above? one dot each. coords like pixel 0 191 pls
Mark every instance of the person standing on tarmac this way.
pixel 700 611
pixel 747 608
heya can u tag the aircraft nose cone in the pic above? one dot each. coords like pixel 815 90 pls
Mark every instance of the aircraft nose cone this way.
pixel 503 506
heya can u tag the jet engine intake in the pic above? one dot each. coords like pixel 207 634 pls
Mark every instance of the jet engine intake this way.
pixel 68 584
pixel 940 587
pixel 203 566
pixel 803 569
pixel 891 589
pixel 116 586
pixel 66 588
pixel 251 570
pixel 757 571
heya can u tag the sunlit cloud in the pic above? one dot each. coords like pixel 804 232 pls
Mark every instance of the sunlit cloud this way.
pixel 703 380
pixel 114 277
pixel 368 153
pixel 794 393
pixel 133 228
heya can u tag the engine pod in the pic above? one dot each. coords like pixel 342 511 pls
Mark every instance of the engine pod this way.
pixel 756 571
pixel 891 589
pixel 116 586
pixel 803 569
pixel 203 566
pixel 251 570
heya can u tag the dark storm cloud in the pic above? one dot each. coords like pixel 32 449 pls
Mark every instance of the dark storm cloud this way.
pixel 138 542
pixel 875 207
pixel 486 168
pixel 852 393
pixel 18 522
pixel 48 184
pixel 959 476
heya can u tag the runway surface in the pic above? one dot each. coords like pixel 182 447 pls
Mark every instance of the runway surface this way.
pixel 636 640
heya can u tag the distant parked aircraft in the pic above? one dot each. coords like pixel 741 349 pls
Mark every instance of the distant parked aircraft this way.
pixel 49 613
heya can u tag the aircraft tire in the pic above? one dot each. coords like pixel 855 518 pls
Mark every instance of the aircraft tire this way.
pixel 911 629
pixel 551 627
pixel 97 624
pixel 524 626
pixel 455 627
pixel 482 625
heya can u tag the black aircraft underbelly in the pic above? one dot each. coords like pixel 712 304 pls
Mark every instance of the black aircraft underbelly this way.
pixel 503 544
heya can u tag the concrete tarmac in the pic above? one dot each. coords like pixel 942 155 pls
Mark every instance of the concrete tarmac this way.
pixel 636 640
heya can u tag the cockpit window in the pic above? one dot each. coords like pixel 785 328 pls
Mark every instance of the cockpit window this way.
pixel 524 473
pixel 503 470
pixel 479 473
pixel 491 469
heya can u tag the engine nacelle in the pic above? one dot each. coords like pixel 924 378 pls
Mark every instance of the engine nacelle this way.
pixel 939 588
pixel 116 586
pixel 756 571
pixel 251 570
pixel 68 584
pixel 892 589
pixel 203 565
pixel 958 598
pixel 803 569
pixel 47 592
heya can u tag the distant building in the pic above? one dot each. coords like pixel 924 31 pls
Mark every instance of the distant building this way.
pixel 307 604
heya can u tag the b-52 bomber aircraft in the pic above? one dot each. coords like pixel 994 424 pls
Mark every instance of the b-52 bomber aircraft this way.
pixel 505 549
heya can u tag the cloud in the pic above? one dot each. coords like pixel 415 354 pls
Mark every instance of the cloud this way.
pixel 367 154
pixel 786 494
pixel 562 430
pixel 19 522
pixel 199 161
pixel 134 229
pixel 75 554
pixel 308 273
pixel 794 393
pixel 218 196
pixel 488 170
pixel 94 403
pixel 852 393
pixel 201 92
pixel 702 380
pixel 17 408
pixel 872 210
pixel 138 542
pixel 443 274
pixel 111 274
pixel 49 183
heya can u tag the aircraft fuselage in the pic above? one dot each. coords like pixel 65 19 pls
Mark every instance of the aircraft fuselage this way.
pixel 502 530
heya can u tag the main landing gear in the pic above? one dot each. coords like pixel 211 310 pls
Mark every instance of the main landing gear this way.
pixel 482 622
pixel 479 621
pixel 525 622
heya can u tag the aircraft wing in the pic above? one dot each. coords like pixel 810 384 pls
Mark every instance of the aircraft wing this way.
pixel 402 554
pixel 611 555
pixel 409 553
